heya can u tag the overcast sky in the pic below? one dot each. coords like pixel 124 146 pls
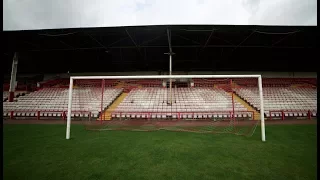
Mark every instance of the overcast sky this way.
pixel 51 14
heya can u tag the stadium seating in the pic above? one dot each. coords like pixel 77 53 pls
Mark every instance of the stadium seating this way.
pixel 53 101
pixel 190 102
pixel 209 82
pixel 292 100
pixel 5 95
pixel 148 98
pixel 17 93
pixel 275 82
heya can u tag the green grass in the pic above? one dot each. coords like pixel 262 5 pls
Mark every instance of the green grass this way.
pixel 41 152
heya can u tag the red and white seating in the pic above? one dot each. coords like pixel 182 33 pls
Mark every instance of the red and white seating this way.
pixel 189 102
pixel 5 95
pixel 17 93
pixel 292 100
pixel 55 101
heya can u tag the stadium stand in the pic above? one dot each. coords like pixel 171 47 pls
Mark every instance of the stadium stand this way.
pixel 276 82
pixel 5 95
pixel 16 94
pixel 293 101
pixel 283 97
pixel 54 101
pixel 190 102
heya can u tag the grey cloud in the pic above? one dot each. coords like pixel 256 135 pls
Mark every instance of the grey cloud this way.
pixel 39 14
pixel 251 5
pixel 286 12
pixel 48 14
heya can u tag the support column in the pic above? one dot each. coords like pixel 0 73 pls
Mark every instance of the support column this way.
pixel 233 116
pixel 102 107
pixel 13 77
pixel 170 73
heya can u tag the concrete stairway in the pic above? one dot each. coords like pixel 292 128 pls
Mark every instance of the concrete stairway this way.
pixel 246 105
pixel 106 115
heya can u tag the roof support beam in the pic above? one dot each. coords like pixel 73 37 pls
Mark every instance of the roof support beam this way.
pixel 207 41
pixel 195 42
pixel 117 41
pixel 35 45
pixel 136 45
pixel 147 41
pixel 66 44
pixel 56 38
pixel 97 41
pixel 282 39
pixel 244 40
pixel 205 45
pixel 131 38
pixel 169 40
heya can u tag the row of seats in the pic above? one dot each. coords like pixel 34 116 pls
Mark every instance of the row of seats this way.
pixel 50 114
pixel 178 115
pixel 17 93
pixel 155 101
pixel 56 99
pixel 297 100
pixel 199 100
pixel 5 95
pixel 277 82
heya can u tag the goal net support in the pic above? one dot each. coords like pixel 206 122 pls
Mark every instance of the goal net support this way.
pixel 191 103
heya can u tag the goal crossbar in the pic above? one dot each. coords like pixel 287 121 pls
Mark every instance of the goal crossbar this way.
pixel 165 76
pixel 262 123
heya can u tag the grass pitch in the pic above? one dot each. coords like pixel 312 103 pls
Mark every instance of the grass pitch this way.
pixel 41 152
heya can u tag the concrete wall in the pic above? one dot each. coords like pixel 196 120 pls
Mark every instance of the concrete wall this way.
pixel 306 74
pixel 49 76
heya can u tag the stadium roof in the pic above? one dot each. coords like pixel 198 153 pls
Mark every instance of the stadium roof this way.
pixel 142 48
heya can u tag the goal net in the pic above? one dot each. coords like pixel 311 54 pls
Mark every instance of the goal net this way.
pixel 191 103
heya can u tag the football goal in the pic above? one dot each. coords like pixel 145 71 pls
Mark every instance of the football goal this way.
pixel 190 103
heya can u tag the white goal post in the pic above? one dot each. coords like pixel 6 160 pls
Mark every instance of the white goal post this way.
pixel 262 123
